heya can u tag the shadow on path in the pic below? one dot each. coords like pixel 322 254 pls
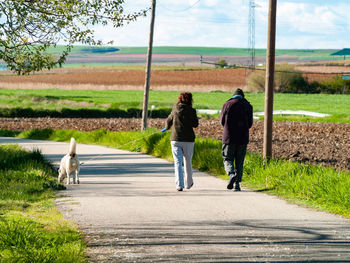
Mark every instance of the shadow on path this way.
pixel 222 241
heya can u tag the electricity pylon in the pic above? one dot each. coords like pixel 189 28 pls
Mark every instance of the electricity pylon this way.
pixel 251 33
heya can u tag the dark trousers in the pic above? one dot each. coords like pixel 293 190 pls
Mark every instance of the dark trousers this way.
pixel 233 156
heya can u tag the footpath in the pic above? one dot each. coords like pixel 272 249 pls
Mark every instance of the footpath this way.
pixel 129 210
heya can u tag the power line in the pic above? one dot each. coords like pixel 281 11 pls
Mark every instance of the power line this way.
pixel 278 71
pixel 188 20
pixel 180 10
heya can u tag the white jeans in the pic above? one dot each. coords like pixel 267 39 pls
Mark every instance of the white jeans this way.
pixel 182 151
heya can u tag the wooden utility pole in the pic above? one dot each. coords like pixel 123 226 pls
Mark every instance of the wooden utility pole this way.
pixel 148 69
pixel 269 82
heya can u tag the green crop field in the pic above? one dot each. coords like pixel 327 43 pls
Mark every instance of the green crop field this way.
pixel 337 106
pixel 303 54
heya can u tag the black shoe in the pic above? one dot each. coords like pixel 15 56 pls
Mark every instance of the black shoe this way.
pixel 179 189
pixel 231 180
pixel 237 187
pixel 189 186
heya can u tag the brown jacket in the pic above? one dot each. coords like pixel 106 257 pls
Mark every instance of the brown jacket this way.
pixel 182 120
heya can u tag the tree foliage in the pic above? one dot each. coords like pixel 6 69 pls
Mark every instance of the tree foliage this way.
pixel 221 63
pixel 287 80
pixel 29 27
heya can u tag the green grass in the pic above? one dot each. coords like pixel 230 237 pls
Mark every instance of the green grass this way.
pixel 314 186
pixel 303 54
pixel 337 105
pixel 31 227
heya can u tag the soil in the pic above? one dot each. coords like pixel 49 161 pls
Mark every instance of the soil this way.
pixel 108 78
pixel 327 144
pixel 132 78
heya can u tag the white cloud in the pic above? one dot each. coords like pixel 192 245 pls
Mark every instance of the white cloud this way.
pixel 311 25
pixel 211 3
pixel 307 18
pixel 301 24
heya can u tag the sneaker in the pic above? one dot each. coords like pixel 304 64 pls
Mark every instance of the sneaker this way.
pixel 189 186
pixel 231 180
pixel 179 189
pixel 237 187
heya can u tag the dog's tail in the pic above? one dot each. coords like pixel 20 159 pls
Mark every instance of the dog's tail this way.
pixel 72 147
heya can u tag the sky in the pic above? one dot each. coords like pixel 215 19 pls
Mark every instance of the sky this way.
pixel 311 24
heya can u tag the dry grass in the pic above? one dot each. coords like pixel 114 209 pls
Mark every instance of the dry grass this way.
pixel 197 88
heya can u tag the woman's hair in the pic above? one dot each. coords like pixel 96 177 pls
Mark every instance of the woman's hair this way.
pixel 185 98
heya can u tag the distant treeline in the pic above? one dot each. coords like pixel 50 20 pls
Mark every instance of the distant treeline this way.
pixel 100 49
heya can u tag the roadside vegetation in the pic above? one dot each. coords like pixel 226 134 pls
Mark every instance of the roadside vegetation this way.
pixel 314 186
pixel 289 80
pixel 128 103
pixel 31 227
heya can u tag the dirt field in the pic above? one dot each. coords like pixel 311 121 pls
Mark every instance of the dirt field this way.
pixel 171 59
pixel 225 79
pixel 327 144
pixel 107 78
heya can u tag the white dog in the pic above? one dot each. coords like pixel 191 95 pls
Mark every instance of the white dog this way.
pixel 69 164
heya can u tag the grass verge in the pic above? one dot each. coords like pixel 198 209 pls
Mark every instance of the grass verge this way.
pixel 31 227
pixel 314 186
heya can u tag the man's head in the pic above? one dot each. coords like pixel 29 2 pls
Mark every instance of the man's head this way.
pixel 239 92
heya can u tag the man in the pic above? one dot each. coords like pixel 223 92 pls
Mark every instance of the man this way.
pixel 237 118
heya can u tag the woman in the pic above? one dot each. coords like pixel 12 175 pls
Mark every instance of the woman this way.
pixel 182 120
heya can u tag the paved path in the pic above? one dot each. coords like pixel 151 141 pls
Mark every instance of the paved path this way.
pixel 130 211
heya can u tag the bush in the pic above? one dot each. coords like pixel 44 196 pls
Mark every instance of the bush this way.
pixel 256 81
pixel 8 133
pixel 160 113
pixel 298 84
pixel 81 113
pixel 336 86
pixel 38 134
pixel 286 81
pixel 285 76
pixel 221 63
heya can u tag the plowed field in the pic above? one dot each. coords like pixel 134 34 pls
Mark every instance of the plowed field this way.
pixel 196 80
pixel 327 144
pixel 222 79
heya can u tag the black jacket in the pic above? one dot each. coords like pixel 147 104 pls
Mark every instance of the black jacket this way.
pixel 182 120
pixel 237 118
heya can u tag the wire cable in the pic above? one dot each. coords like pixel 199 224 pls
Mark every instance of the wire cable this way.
pixel 278 71
pixel 180 10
